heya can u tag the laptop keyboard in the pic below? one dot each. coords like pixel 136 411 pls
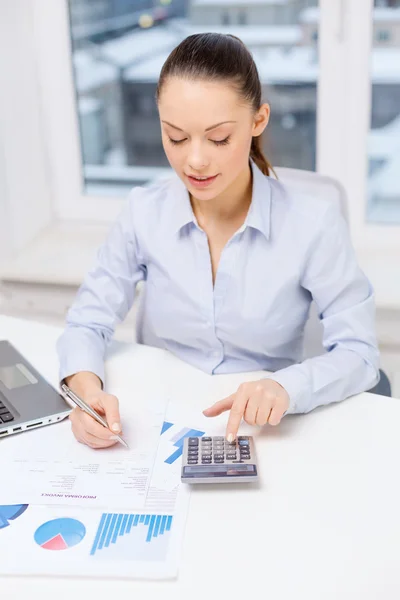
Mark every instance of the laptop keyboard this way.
pixel 5 415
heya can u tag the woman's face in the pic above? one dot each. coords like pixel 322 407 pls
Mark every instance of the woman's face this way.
pixel 206 132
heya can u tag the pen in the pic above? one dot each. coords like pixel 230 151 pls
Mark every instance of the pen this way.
pixel 89 410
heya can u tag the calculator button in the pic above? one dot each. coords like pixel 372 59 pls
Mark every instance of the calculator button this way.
pixel 192 462
pixel 206 439
pixel 3 410
pixel 218 456
pixel 243 442
pixel 218 460
pixel 243 437
pixel 193 441
pixel 231 456
pixel 208 456
pixel 1 404
pixel 219 438
pixel 195 454
pixel 206 461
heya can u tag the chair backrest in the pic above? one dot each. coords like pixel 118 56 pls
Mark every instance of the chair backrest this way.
pixel 312 184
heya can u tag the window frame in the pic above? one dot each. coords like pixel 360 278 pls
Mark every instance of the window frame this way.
pixel 343 115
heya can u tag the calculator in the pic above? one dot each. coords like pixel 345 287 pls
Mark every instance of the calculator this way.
pixel 214 459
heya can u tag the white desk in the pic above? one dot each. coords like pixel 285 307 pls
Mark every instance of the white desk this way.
pixel 324 523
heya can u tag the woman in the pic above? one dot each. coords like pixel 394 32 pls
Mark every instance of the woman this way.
pixel 230 258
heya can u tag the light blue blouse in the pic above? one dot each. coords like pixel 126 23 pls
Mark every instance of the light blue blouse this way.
pixel 290 250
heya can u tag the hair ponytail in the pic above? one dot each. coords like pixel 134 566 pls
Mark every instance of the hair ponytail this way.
pixel 257 154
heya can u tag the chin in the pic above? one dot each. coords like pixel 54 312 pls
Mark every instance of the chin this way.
pixel 204 195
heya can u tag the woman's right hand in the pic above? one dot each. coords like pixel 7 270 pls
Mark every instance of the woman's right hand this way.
pixel 90 432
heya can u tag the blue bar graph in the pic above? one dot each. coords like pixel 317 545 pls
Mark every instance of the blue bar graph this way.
pixel 130 521
pixel 124 524
pixel 178 439
pixel 104 531
pixel 117 528
pixel 113 527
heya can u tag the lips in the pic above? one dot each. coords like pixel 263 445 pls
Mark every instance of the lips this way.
pixel 200 177
pixel 199 183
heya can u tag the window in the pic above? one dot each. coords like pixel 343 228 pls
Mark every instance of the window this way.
pixel 88 85
pixel 383 143
pixel 383 36
pixel 242 18
pixel 118 49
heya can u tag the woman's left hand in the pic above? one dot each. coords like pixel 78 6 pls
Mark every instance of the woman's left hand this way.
pixel 257 402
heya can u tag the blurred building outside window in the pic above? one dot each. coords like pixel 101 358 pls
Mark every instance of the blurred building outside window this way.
pixel 119 47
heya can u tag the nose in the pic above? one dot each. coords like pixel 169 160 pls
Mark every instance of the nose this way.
pixel 197 157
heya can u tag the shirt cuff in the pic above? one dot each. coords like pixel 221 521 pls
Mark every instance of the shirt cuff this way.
pixel 77 353
pixel 75 366
pixel 297 386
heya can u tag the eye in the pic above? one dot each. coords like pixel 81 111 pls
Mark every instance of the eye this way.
pixel 175 142
pixel 222 142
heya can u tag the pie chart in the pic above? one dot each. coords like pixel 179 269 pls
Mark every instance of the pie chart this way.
pixel 60 534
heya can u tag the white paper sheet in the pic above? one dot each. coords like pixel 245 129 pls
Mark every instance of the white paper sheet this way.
pixel 49 466
pixel 77 541
pixel 143 541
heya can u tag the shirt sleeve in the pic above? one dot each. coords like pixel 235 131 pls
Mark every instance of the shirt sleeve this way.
pixel 102 301
pixel 345 301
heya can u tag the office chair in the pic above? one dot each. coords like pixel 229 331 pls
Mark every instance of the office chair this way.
pixel 312 184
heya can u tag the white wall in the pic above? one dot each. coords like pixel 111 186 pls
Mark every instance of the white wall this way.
pixel 26 215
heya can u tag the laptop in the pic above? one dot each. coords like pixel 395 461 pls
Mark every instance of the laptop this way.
pixel 27 400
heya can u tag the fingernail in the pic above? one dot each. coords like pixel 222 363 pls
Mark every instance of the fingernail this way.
pixel 116 427
pixel 230 438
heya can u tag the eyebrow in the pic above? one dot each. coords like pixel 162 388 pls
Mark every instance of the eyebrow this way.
pixel 208 128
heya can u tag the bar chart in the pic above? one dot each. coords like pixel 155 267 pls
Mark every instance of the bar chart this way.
pixel 132 536
pixel 177 439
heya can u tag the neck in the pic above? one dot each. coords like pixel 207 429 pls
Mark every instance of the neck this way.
pixel 231 205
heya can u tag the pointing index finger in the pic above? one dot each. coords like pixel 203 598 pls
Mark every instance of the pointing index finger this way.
pixel 237 411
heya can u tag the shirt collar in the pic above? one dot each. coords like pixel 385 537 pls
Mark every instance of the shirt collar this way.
pixel 258 216
pixel 181 209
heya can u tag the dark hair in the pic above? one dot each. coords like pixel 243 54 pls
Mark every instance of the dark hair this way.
pixel 219 57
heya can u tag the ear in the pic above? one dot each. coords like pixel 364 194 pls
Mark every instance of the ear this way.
pixel 261 119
